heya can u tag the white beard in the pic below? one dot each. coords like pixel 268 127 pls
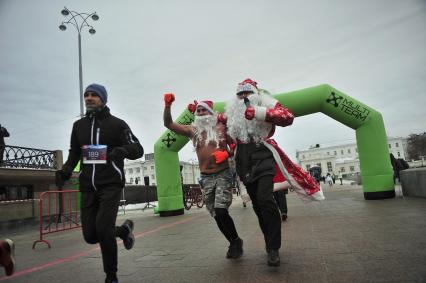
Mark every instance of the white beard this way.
pixel 205 124
pixel 242 129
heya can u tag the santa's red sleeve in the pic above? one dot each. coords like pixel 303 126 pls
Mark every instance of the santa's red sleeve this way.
pixel 277 115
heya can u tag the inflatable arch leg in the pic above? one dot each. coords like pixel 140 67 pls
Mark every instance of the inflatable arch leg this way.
pixel 376 170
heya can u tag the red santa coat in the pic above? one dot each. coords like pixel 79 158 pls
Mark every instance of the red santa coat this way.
pixel 288 174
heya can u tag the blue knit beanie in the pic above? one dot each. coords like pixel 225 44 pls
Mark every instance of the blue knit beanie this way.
pixel 99 90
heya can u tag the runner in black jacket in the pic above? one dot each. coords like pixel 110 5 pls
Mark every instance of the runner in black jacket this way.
pixel 101 142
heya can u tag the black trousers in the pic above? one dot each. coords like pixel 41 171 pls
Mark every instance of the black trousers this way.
pixel 281 200
pixel 98 215
pixel 266 209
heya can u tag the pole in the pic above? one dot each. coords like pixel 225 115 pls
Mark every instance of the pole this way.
pixel 193 172
pixel 80 73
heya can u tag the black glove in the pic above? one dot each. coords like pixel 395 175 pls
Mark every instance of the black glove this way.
pixel 61 176
pixel 117 154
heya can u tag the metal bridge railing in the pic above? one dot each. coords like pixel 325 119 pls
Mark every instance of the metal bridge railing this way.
pixel 24 157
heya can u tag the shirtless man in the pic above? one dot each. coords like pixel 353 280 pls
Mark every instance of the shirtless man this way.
pixel 210 141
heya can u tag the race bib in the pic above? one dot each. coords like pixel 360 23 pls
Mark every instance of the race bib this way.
pixel 94 154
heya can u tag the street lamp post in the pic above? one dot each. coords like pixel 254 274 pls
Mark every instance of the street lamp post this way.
pixel 79 21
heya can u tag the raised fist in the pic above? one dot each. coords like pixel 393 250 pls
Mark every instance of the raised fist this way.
pixel 192 106
pixel 250 113
pixel 168 99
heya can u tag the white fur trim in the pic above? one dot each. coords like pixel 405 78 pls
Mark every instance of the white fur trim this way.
pixel 206 106
pixel 246 87
pixel 260 113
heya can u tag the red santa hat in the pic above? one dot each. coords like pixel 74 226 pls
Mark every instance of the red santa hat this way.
pixel 248 85
pixel 207 104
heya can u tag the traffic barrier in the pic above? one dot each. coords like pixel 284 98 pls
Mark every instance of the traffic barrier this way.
pixel 58 212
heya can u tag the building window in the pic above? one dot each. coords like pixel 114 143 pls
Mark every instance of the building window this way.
pixel 352 168
pixel 396 144
pixel 329 167
pixel 399 154
pixel 131 180
pixel 138 170
pixel 341 151
pixel 153 177
pixel 328 153
pixel 8 193
pixel 144 168
pixel 335 152
pixel 349 150
pixel 130 171
pixel 152 167
pixel 342 169
pixel 303 156
pixel 389 145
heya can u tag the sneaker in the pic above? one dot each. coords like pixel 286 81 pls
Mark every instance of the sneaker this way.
pixel 129 239
pixel 7 256
pixel 273 258
pixel 284 217
pixel 235 250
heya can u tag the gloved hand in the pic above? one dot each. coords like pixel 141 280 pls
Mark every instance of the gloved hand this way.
pixel 220 156
pixel 117 154
pixel 250 113
pixel 61 176
pixel 192 106
pixel 168 99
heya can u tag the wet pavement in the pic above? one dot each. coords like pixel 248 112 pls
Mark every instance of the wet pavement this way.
pixel 342 239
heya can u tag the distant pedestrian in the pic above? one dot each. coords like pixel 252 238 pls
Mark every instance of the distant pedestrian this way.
pixel 329 180
pixel 340 177
pixel 3 134
pixel 7 259
pixel 101 142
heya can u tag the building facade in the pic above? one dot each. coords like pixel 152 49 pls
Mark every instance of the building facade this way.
pixel 343 158
pixel 139 172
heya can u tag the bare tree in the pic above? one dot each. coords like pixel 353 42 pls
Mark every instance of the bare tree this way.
pixel 416 146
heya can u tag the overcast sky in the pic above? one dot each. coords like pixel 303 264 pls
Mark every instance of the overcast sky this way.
pixel 371 50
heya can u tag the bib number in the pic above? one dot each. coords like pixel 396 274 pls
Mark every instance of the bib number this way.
pixel 94 154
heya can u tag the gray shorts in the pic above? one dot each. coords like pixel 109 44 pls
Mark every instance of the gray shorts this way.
pixel 217 190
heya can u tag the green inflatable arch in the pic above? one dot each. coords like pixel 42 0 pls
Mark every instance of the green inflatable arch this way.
pixel 376 170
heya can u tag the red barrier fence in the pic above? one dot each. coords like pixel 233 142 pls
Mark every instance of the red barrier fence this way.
pixel 58 212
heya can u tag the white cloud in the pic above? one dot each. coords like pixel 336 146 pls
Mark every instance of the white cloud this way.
pixel 371 50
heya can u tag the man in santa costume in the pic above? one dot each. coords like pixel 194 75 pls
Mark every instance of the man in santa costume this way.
pixel 210 141
pixel 261 165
